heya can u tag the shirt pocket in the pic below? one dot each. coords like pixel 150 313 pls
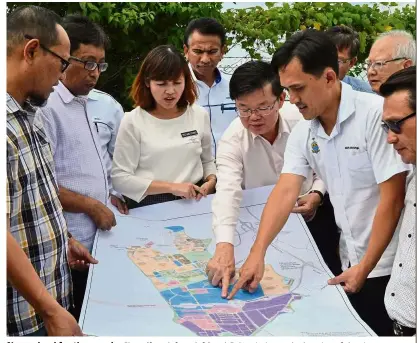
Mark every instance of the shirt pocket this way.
pixel 104 132
pixel 360 170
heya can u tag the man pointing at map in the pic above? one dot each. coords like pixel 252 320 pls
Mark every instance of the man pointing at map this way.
pixel 342 140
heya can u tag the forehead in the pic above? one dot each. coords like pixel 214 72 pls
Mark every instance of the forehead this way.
pixel 257 97
pixel 344 53
pixel 198 40
pixel 63 46
pixel 88 50
pixel 382 49
pixel 396 106
pixel 293 74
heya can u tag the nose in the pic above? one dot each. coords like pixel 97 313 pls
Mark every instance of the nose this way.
pixel 371 71
pixel 63 76
pixel 170 89
pixel 294 98
pixel 95 73
pixel 392 138
pixel 205 58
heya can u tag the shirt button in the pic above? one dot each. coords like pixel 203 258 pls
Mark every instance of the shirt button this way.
pixel 409 235
pixel 392 294
pixel 400 264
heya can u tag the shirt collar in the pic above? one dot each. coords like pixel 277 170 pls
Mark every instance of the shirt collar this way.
pixel 12 106
pixel 93 95
pixel 64 93
pixel 346 109
pixel 217 80
pixel 282 128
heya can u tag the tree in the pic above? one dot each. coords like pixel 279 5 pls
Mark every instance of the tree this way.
pixel 136 28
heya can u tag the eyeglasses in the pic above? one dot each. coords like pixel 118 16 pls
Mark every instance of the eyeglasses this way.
pixel 377 65
pixel 65 64
pixel 261 111
pixel 91 65
pixel 343 61
pixel 395 126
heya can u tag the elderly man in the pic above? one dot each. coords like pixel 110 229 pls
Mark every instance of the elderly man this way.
pixel 399 121
pixel 204 47
pixel 347 44
pixel 39 252
pixel 392 51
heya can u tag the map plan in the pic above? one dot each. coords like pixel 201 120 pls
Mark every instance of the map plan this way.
pixel 151 281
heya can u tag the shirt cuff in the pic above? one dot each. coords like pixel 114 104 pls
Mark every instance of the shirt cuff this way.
pixel 224 234
pixel 318 185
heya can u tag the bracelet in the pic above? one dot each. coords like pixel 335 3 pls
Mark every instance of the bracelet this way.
pixel 320 195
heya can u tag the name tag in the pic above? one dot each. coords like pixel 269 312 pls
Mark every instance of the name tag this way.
pixel 189 134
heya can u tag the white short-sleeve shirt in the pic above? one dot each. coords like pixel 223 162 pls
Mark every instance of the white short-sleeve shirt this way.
pixel 352 161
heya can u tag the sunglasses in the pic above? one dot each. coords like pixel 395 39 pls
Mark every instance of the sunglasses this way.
pixel 395 126
pixel 65 64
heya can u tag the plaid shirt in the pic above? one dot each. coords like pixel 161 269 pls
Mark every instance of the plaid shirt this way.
pixel 36 218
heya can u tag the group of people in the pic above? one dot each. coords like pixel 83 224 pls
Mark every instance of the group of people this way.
pixel 341 153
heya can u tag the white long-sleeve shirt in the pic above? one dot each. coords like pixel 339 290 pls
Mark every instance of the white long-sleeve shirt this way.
pixel 171 150
pixel 244 161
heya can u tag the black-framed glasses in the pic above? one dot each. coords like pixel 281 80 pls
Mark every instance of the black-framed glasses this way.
pixel 65 64
pixel 262 111
pixel 395 126
pixel 377 65
pixel 91 65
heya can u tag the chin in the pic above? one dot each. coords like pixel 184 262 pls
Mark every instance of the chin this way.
pixel 408 158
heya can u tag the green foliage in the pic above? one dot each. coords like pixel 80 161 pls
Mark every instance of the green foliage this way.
pixel 137 27
pixel 259 29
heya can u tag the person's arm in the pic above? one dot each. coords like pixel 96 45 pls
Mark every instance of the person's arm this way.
pixel 207 158
pixel 226 208
pixel 390 175
pixel 22 276
pixel 277 209
pixel 74 202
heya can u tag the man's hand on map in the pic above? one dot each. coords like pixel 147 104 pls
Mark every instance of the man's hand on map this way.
pixel 351 279
pixel 79 257
pixel 102 216
pixel 119 203
pixel 221 267
pixel 186 190
pixel 307 206
pixel 206 188
pixel 59 322
pixel 250 274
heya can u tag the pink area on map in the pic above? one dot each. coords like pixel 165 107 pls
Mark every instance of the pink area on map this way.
pixel 149 244
pixel 173 283
pixel 200 291
pixel 203 322
pixel 224 309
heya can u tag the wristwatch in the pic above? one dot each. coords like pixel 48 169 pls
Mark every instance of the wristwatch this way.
pixel 320 195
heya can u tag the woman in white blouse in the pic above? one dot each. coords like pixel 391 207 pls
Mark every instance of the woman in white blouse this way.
pixel 163 147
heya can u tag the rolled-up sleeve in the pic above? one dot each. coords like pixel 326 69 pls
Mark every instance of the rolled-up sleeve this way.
pixel 226 202
pixel 209 167
pixel 295 161
pixel 386 162
pixel 126 161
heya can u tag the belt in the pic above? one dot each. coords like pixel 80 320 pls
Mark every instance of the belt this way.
pixel 400 330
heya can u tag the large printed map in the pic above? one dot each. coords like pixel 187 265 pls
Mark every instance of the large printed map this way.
pixel 151 280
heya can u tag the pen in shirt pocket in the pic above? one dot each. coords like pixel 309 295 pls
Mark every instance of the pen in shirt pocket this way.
pixel 96 126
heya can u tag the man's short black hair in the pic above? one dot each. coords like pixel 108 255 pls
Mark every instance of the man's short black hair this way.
pixel 35 21
pixel 81 30
pixel 314 49
pixel 345 37
pixel 252 76
pixel 402 80
pixel 205 26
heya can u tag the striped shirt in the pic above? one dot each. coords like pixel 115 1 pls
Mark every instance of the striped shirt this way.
pixel 77 154
pixel 36 219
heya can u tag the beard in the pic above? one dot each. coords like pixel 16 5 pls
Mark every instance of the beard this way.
pixel 37 100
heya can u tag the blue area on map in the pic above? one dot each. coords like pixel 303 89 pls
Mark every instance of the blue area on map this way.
pixel 176 296
pixel 157 274
pixel 178 263
pixel 175 228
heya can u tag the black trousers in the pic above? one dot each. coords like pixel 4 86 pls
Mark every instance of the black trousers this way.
pixel 326 234
pixel 79 283
pixel 369 303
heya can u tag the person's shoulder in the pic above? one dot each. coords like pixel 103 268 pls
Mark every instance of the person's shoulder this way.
pixel 368 104
pixel 290 114
pixel 103 97
pixel 235 129
pixel 358 84
pixel 197 110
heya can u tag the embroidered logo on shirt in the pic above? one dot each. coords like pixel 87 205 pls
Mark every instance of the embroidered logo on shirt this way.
pixel 189 133
pixel 315 147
